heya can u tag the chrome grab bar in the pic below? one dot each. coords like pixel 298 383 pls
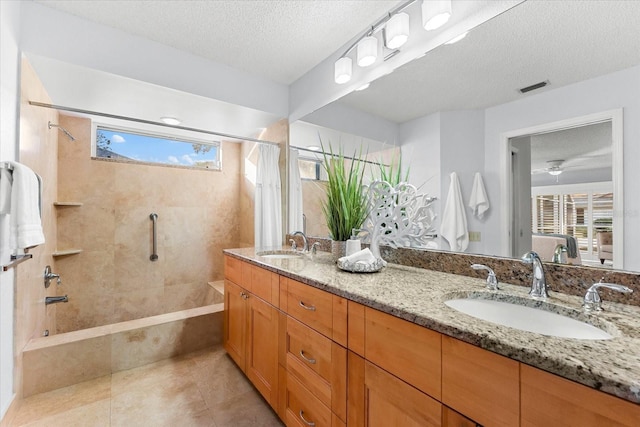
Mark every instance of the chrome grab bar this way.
pixel 154 253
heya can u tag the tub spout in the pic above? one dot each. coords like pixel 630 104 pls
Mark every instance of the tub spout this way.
pixel 55 300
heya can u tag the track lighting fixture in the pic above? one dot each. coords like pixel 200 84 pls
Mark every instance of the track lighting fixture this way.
pixel 395 29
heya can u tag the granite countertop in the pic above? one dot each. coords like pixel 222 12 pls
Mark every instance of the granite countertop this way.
pixel 418 295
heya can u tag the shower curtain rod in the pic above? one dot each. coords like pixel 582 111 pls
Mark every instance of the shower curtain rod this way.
pixel 149 122
pixel 293 147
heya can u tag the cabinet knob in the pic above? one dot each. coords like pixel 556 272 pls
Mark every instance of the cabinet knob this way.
pixel 307 307
pixel 311 361
pixel 309 423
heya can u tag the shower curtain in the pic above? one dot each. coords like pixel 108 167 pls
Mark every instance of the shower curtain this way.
pixel 296 222
pixel 268 206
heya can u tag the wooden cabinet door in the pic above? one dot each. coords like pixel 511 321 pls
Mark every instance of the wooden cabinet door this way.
pixel 235 322
pixel 482 385
pixel 390 402
pixel 549 400
pixel 409 351
pixel 262 348
pixel 451 418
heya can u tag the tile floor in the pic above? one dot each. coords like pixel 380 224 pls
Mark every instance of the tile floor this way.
pixel 204 388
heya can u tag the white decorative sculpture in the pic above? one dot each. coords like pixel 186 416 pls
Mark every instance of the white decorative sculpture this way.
pixel 398 216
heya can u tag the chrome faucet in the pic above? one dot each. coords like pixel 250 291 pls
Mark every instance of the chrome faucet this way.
pixel 592 301
pixel 305 243
pixel 559 254
pixel 49 275
pixel 492 280
pixel 314 248
pixel 539 283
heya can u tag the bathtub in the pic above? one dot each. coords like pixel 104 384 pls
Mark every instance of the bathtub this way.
pixel 68 358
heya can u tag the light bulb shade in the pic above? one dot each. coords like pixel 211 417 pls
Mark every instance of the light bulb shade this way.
pixel 396 32
pixel 343 70
pixel 456 39
pixel 555 172
pixel 435 13
pixel 367 51
pixel 170 121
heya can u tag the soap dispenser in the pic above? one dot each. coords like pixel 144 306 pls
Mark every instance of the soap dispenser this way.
pixel 353 244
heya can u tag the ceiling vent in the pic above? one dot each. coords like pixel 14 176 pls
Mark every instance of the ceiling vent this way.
pixel 534 87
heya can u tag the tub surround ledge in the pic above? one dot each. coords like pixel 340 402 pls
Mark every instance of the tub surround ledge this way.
pixel 418 295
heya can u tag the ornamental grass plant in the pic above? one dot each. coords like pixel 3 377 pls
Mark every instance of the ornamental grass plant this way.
pixel 345 207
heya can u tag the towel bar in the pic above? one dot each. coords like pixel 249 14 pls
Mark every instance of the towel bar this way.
pixel 15 260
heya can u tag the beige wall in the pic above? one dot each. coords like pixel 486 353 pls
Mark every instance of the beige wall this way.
pixel 113 279
pixel 278 132
pixel 38 150
pixel 313 195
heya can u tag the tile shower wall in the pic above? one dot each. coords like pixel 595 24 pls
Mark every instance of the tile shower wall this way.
pixel 38 150
pixel 278 132
pixel 113 279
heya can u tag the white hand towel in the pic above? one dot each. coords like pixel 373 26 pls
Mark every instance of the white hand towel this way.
pixel 454 220
pixel 478 202
pixel 26 224
pixel 364 256
pixel 5 191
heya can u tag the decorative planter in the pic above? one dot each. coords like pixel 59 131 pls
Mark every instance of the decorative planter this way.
pixel 338 249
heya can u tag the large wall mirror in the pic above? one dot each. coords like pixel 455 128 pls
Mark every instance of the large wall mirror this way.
pixel 460 109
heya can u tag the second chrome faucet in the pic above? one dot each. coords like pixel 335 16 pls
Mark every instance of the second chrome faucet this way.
pixel 538 282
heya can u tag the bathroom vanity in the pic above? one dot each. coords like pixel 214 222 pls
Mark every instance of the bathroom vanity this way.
pixel 331 348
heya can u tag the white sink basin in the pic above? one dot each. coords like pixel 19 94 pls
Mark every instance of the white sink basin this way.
pixel 527 319
pixel 279 255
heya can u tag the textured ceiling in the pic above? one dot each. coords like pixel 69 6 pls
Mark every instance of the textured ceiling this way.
pixel 276 39
pixel 560 41
pixel 581 148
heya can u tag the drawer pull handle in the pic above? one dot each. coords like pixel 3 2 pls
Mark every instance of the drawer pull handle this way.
pixel 307 307
pixel 309 423
pixel 312 361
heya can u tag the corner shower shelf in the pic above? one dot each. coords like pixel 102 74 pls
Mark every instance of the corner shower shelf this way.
pixel 66 252
pixel 15 260
pixel 67 204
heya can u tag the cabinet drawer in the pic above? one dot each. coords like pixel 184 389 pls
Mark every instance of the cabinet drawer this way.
pixel 315 308
pixel 409 351
pixel 264 284
pixel 303 408
pixel 233 269
pixel 319 364
pixel 482 385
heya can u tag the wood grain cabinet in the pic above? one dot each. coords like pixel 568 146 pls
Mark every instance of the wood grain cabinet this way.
pixel 451 418
pixel 251 334
pixel 291 341
pixel 549 400
pixel 316 359
pixel 482 385
pixel 379 399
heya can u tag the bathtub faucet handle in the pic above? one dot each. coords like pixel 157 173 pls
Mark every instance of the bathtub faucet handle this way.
pixel 50 275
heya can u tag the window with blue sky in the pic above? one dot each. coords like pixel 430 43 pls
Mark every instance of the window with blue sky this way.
pixel 117 144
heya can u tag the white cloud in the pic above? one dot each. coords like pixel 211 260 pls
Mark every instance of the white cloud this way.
pixel 187 159
pixel 173 159
pixel 117 139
